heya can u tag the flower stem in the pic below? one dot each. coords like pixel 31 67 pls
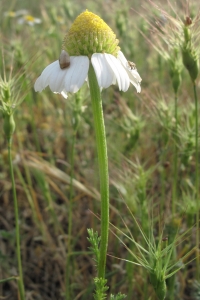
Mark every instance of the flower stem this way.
pixel 20 280
pixel 197 177
pixel 103 166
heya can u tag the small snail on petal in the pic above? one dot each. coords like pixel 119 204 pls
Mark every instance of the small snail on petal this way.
pixel 64 60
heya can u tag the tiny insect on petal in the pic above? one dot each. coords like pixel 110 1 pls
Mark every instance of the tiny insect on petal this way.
pixel 131 65
pixel 64 60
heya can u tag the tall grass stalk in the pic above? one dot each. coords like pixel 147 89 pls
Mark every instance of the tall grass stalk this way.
pixel 27 184
pixel 175 159
pixel 17 229
pixel 33 124
pixel 28 195
pixel 103 166
pixel 197 176
pixel 8 279
pixel 190 56
pixel 171 280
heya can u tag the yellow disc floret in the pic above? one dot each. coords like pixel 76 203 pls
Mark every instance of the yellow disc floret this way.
pixel 29 18
pixel 90 34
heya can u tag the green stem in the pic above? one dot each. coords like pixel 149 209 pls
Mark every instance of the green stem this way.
pixel 175 164
pixel 103 166
pixel 8 279
pixel 20 280
pixel 197 177
pixel 33 124
pixel 171 280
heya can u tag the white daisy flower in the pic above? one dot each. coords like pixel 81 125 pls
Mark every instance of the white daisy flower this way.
pixel 30 20
pixel 89 40
pixel 13 14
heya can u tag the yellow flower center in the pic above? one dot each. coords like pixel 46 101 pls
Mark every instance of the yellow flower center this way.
pixel 29 18
pixel 90 34
pixel 11 14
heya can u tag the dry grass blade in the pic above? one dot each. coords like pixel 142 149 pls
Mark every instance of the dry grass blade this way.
pixel 33 161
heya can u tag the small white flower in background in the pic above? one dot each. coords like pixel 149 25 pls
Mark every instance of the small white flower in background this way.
pixel 15 14
pixel 60 20
pixel 30 20
pixel 89 40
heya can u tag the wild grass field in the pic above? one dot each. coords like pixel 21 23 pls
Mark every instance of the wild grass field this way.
pixel 153 158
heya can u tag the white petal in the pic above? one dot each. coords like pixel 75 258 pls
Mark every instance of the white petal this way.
pixel 43 81
pixel 21 21
pixel 21 12
pixel 136 85
pixel 119 72
pixel 56 78
pixel 135 79
pixel 134 76
pixel 122 59
pixel 104 73
pixel 76 74
pixel 37 21
pixel 64 94
pixel 64 80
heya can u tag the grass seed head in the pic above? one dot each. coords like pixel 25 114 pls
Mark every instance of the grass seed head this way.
pixel 189 54
pixel 175 67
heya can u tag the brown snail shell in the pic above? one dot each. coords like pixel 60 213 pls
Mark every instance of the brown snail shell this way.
pixel 64 60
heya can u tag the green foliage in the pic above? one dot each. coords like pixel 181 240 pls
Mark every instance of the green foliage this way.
pixel 159 285
pixel 121 19
pixel 196 290
pixel 101 288
pixel 94 240
pixel 119 296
